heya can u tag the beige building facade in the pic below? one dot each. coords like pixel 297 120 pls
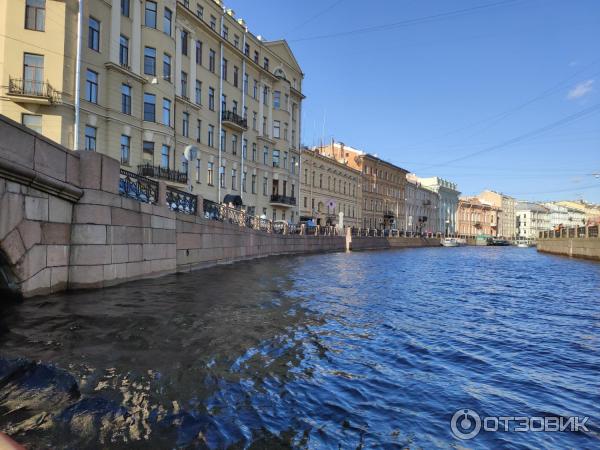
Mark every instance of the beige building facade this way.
pixel 507 212
pixel 421 207
pixel 383 186
pixel 329 188
pixel 475 218
pixel 157 77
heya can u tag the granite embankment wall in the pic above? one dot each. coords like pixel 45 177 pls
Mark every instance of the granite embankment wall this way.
pixel 380 243
pixel 582 247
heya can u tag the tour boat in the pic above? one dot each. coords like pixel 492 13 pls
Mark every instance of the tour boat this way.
pixel 450 242
pixel 524 243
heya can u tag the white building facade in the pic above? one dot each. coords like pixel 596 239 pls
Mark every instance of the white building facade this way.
pixel 531 218
pixel 448 202
pixel 422 208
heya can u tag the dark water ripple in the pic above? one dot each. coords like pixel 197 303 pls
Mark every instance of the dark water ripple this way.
pixel 361 350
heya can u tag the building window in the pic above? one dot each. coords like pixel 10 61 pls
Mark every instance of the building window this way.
pixel 265 185
pixel 254 151
pixel 167 67
pixel 186 124
pixel 222 176
pixel 236 41
pixel 166 112
pixel 211 60
pixel 276 129
pixel 184 89
pixel 266 95
pixel 126 99
pixel 168 21
pixel 266 63
pixel 33 73
pixel 198 168
pixel 199 130
pixel 199 52
pixel 94 34
pixel 125 8
pixel 90 138
pixel 125 146
pixel 247 49
pixel 211 99
pixel 233 179
pixel 234 144
pixel 253 187
pixel 225 32
pixel 244 178
pixel 91 86
pixel 236 74
pixel 254 121
pixel 199 10
pixel 224 69
pixel 149 107
pixel 213 23
pixel 198 92
pixel 255 90
pixel 234 107
pixel 184 42
pixel 246 83
pixel 223 140
pixel 35 15
pixel 255 57
pixel 149 61
pixel 277 99
pixel 285 159
pixel 184 165
pixel 293 168
pixel 150 14
pixel 165 156
pixel 245 149
pixel 211 136
pixel 210 170
pixel 32 121
pixel 275 158
pixel 266 155
pixel 124 51
pixel 148 151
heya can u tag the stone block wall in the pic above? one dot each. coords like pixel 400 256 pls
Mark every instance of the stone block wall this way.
pixel 379 243
pixel 203 243
pixel 587 248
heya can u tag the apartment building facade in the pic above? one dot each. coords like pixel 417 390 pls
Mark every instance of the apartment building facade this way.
pixel 506 206
pixel 475 218
pixel 531 218
pixel 383 186
pixel 329 188
pixel 157 77
pixel 448 202
pixel 421 207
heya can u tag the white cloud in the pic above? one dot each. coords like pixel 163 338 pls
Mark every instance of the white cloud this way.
pixel 580 90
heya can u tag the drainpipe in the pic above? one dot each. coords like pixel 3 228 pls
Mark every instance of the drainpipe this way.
pixel 78 76
pixel 243 111
pixel 220 100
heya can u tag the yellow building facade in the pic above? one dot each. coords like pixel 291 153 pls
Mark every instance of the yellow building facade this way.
pixel 157 77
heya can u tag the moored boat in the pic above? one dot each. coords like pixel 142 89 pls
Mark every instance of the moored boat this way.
pixel 450 242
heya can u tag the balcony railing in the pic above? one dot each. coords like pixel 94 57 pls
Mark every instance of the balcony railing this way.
pixel 284 199
pixel 162 173
pixel 138 187
pixel 181 201
pixel 234 118
pixel 33 88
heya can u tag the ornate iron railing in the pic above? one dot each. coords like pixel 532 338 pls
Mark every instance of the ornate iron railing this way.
pixel 33 88
pixel 137 187
pixel 162 173
pixel 181 201
pixel 284 199
pixel 230 116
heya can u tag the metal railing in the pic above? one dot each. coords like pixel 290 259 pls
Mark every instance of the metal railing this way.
pixel 230 116
pixel 284 199
pixel 181 201
pixel 138 187
pixel 590 231
pixel 33 88
pixel 148 170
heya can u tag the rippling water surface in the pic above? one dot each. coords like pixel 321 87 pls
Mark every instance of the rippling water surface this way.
pixel 358 350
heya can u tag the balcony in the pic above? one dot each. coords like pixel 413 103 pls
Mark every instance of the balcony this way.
pixel 32 91
pixel 234 121
pixel 282 200
pixel 162 173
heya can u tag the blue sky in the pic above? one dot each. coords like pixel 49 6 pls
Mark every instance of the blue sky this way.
pixel 503 97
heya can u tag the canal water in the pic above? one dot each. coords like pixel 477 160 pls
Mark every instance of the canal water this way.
pixel 357 350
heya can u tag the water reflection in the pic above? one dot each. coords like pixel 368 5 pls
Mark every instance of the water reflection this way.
pixel 368 349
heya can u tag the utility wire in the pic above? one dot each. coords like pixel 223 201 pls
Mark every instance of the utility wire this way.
pixel 319 14
pixel 409 22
